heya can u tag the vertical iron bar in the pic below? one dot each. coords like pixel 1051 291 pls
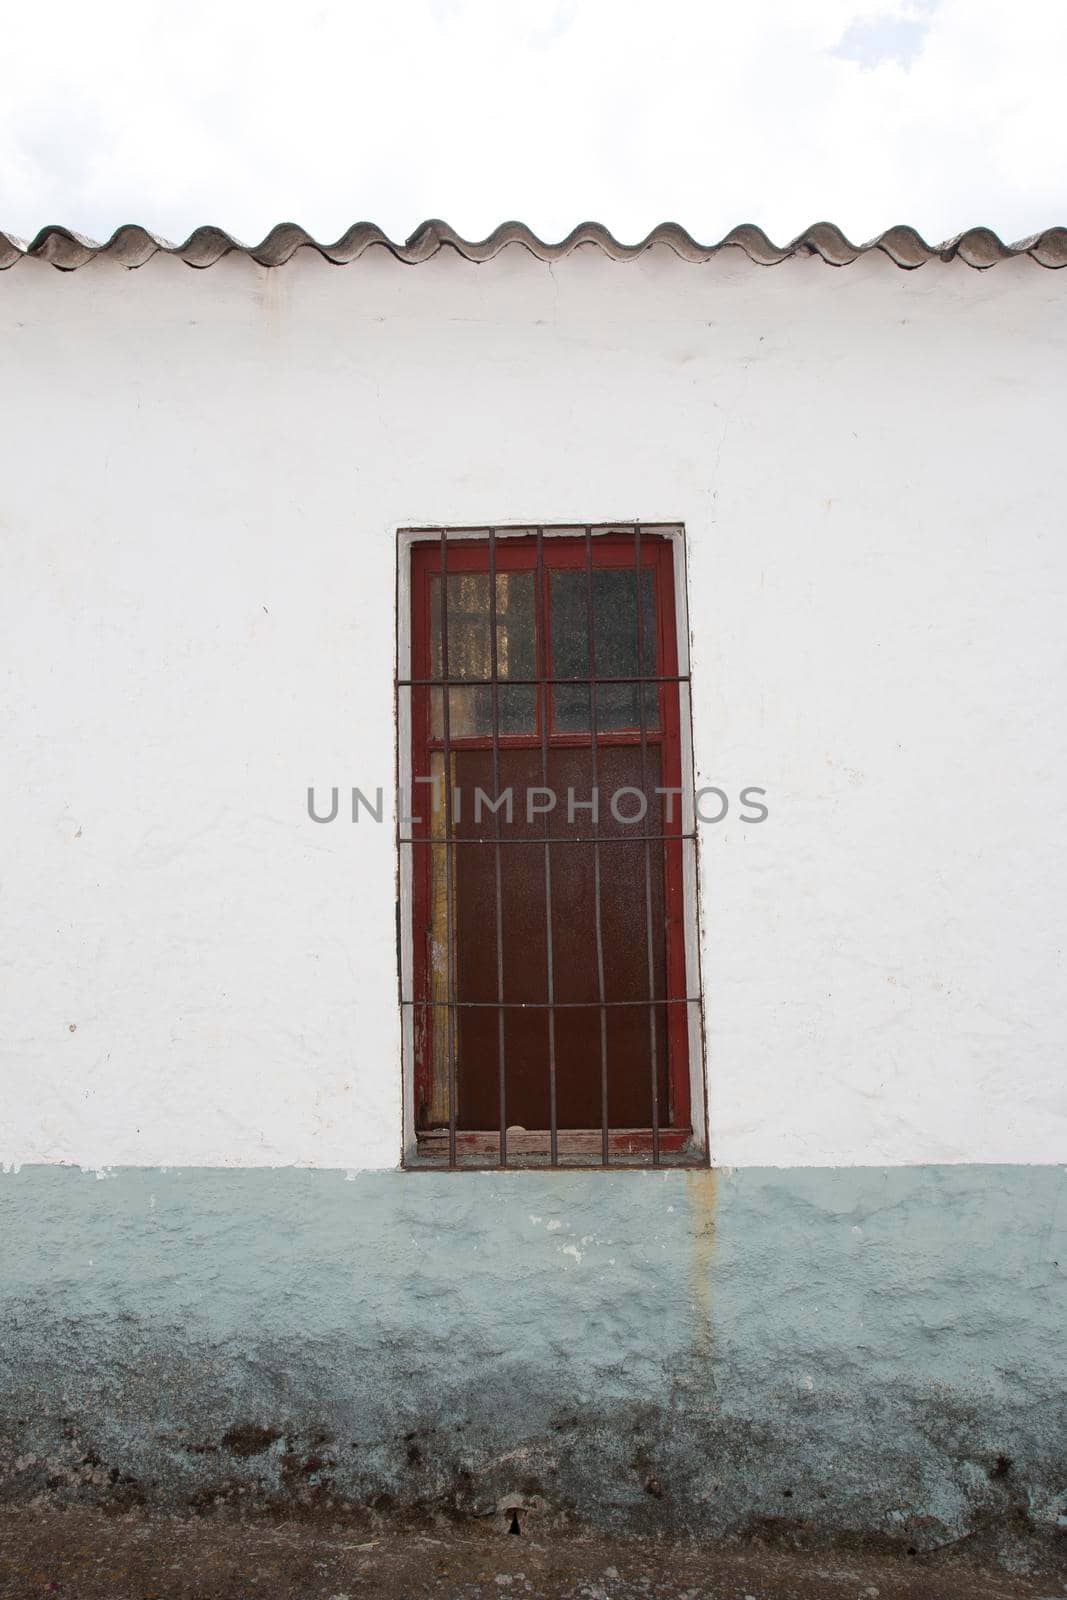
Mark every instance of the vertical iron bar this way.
pixel 446 735
pixel 493 668
pixel 653 1059
pixel 398 830
pixel 541 624
pixel 591 641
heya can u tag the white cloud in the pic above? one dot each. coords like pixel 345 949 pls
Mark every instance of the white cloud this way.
pixel 872 41
pixel 247 113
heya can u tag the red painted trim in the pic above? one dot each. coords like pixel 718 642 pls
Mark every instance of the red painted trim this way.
pixel 674 912
pixel 420 726
pixel 556 741
pixel 517 554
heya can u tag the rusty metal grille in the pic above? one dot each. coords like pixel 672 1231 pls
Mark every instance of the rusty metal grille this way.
pixel 518 643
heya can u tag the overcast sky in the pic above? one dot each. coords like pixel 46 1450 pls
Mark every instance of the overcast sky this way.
pixel 941 113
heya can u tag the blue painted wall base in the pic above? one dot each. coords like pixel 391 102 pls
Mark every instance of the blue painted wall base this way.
pixel 870 1351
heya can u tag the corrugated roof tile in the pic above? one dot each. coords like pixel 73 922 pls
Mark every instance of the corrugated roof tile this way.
pixel 132 246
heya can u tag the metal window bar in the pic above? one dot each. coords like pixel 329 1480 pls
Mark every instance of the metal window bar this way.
pixel 554 838
pixel 554 1005
pixel 597 921
pixel 516 683
pixel 499 891
pixel 450 932
pixel 544 711
pixel 543 683
pixel 639 613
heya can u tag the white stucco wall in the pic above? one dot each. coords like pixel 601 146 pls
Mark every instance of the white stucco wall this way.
pixel 203 474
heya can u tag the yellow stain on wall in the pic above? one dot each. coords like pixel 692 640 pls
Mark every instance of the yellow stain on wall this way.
pixel 701 1193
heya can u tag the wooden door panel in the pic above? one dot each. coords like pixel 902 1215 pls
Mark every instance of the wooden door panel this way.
pixel 623 915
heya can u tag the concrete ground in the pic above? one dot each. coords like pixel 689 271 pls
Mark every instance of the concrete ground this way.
pixel 84 1555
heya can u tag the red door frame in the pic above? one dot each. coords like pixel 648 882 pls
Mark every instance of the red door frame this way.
pixel 518 553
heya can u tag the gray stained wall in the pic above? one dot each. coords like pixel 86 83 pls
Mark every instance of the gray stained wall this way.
pixel 871 1350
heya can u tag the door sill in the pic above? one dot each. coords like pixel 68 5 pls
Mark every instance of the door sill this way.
pixel 584 1143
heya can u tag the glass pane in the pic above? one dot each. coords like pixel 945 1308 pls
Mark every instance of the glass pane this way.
pixel 470 711
pixel 616 645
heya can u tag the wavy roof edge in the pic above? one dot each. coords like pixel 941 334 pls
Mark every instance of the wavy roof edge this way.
pixel 131 246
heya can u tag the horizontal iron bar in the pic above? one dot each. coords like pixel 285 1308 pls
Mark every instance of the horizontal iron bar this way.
pixel 528 683
pixel 551 1005
pixel 460 532
pixel 538 841
pixel 640 1161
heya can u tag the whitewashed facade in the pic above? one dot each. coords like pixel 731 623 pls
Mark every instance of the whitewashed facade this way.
pixel 205 474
